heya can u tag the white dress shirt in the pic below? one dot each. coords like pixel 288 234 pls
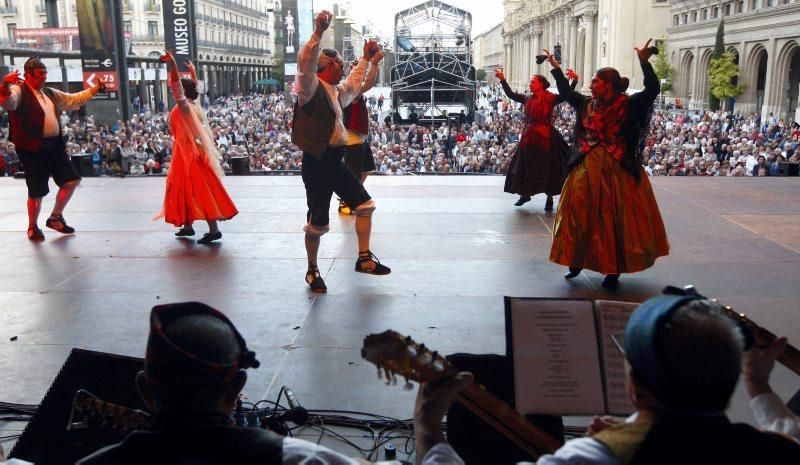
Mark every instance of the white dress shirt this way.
pixel 339 96
pixel 61 101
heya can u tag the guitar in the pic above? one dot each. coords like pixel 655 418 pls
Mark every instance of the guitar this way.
pixel 121 420
pixel 395 355
pixel 761 338
pixel 755 335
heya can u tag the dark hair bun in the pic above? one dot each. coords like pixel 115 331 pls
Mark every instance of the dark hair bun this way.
pixel 190 88
pixel 544 81
pixel 623 84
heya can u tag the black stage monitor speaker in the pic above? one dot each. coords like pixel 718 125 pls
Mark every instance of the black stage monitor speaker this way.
pixel 108 376
pixel 240 165
pixel 789 169
pixel 83 164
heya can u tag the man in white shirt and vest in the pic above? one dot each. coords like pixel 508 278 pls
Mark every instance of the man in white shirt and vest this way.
pixel 36 132
pixel 318 129
pixel 357 153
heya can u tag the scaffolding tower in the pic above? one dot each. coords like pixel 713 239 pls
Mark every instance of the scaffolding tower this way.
pixel 433 75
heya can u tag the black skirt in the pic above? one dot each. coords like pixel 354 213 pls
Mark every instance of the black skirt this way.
pixel 536 170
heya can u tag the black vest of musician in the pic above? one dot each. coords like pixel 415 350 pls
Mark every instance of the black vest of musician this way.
pixel 713 440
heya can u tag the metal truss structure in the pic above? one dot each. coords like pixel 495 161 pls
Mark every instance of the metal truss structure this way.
pixel 433 73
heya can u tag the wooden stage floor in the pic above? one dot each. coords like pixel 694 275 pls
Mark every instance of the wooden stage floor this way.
pixel 456 245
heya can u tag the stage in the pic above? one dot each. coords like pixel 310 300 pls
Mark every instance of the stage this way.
pixel 456 246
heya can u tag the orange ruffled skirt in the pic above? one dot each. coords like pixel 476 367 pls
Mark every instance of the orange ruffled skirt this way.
pixel 194 191
pixel 606 220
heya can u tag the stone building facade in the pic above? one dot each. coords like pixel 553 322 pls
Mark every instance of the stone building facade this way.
pixel 487 51
pixel 235 43
pixel 763 34
pixel 589 33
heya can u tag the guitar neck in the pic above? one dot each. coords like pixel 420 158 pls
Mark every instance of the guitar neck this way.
pixel 763 337
pixel 790 357
pixel 508 421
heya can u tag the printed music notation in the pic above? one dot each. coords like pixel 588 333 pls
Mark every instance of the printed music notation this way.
pixel 565 361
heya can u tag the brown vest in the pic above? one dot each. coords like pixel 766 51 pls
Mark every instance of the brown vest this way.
pixel 27 121
pixel 313 123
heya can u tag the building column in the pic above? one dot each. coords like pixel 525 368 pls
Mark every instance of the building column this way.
pixel 771 89
pixel 526 58
pixel 589 52
pixel 573 42
pixel 506 55
pixel 521 74
pixel 518 61
pixel 537 48
pixel 697 78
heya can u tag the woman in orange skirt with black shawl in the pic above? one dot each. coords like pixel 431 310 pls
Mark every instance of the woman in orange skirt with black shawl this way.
pixel 608 219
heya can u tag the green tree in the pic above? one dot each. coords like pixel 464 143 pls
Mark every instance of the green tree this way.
pixel 721 74
pixel 719 50
pixel 662 68
pixel 480 74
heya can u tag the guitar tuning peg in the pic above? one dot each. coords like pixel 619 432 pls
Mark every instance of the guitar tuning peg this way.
pixel 438 366
pixel 425 358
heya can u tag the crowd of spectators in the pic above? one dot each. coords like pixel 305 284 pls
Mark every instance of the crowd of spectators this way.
pixel 257 127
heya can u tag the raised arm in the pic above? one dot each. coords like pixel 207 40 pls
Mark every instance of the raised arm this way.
pixel 372 74
pixel 565 90
pixel 10 91
pixel 192 71
pixel 306 82
pixel 351 87
pixel 651 85
pixel 498 73
pixel 65 101
pixel 174 82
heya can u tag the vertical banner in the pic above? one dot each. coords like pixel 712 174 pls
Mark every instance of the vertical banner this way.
pixel 97 39
pixel 180 33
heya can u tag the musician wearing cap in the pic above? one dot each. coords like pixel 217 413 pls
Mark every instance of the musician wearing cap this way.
pixel 683 358
pixel 318 129
pixel 35 130
pixel 194 371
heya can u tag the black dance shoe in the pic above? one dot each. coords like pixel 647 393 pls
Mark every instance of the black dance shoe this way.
pixel 58 223
pixel 183 232
pixel 379 268
pixel 315 281
pixel 611 281
pixel 209 238
pixel 523 199
pixel 573 272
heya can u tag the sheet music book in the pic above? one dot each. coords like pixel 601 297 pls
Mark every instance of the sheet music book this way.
pixel 565 362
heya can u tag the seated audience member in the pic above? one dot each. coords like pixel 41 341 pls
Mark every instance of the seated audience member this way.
pixel 194 370
pixel 683 358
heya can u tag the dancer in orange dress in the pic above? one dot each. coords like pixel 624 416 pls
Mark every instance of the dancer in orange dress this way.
pixel 194 181
pixel 608 219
